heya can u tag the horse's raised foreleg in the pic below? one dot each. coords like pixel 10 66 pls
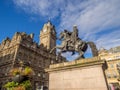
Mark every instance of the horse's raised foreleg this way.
pixel 52 49
pixel 59 47
pixel 81 55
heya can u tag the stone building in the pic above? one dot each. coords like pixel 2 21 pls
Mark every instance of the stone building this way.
pixel 112 57
pixel 23 48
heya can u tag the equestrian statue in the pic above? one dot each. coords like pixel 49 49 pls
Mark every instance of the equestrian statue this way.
pixel 72 43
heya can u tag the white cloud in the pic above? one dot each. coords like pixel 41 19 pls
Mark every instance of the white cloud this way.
pixel 109 40
pixel 44 8
pixel 97 20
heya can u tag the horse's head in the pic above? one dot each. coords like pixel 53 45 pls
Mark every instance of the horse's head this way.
pixel 62 35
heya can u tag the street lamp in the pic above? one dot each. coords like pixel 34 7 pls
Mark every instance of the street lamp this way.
pixel 118 69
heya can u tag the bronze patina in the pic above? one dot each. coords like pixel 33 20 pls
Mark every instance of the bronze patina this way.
pixel 71 42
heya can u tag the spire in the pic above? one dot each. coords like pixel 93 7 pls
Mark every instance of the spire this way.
pixel 49 22
pixel 74 25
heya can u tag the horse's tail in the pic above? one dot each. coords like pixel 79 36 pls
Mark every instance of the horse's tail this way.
pixel 93 48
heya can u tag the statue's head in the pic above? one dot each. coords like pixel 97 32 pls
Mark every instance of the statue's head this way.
pixel 65 31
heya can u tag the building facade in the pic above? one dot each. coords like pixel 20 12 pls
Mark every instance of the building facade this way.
pixel 112 57
pixel 23 48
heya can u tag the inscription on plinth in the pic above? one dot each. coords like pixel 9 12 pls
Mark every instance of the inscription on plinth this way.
pixel 78 75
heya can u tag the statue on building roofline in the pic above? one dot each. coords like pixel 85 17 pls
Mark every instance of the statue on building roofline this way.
pixel 71 42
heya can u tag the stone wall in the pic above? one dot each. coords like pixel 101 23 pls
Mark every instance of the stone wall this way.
pixel 22 47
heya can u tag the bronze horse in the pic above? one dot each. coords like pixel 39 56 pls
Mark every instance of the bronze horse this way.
pixel 74 44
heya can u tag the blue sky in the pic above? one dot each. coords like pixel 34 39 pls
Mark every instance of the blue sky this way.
pixel 97 20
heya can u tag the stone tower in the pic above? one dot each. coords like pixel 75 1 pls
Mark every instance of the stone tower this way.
pixel 48 36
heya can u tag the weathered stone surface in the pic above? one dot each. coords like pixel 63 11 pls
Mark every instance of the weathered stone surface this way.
pixel 22 47
pixel 78 75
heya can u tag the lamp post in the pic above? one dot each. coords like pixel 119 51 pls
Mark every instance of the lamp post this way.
pixel 118 69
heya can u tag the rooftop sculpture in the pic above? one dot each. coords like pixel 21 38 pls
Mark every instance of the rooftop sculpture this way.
pixel 71 42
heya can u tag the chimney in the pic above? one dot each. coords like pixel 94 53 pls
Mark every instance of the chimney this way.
pixel 32 35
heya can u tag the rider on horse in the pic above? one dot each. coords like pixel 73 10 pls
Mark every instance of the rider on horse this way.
pixel 66 39
pixel 70 38
pixel 71 42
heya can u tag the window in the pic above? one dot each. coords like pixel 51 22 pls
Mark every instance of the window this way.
pixel 111 66
pixel 118 65
pixel 39 74
pixel 43 75
pixel 114 74
pixel 108 75
pixel 117 57
pixel 12 56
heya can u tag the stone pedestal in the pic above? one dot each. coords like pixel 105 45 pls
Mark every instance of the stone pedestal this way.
pixel 86 74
